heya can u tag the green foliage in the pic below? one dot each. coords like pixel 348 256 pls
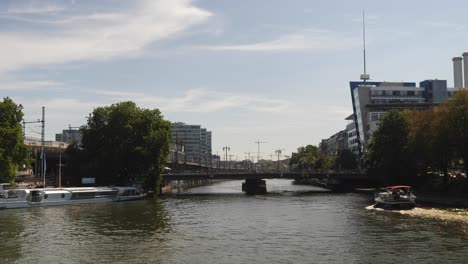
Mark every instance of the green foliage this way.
pixel 433 140
pixel 388 150
pixel 13 151
pixel 123 143
pixel 310 158
pixel 438 136
pixel 457 119
pixel 345 160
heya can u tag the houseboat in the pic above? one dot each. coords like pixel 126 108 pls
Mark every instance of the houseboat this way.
pixel 396 197
pixel 22 198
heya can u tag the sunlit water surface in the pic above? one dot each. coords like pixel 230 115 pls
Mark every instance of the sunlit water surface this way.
pixel 220 224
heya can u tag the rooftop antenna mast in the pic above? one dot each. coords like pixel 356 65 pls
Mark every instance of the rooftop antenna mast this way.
pixel 364 76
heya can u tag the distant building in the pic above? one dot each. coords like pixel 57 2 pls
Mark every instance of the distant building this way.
pixel 352 141
pixel 195 140
pixel 335 143
pixel 69 136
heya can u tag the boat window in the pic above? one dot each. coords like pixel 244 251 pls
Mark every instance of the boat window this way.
pixel 46 196
pixel 83 195
pixel 128 193
pixel 107 194
pixel 12 194
pixel 63 195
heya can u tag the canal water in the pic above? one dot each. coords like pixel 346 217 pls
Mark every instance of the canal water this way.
pixel 219 224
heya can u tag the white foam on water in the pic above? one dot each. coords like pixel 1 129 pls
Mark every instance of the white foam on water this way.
pixel 456 215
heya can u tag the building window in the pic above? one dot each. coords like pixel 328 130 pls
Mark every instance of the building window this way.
pixel 410 93
pixel 396 93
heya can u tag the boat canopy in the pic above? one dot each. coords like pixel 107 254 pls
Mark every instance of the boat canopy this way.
pixel 398 187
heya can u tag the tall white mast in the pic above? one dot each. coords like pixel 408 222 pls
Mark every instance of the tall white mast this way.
pixel 364 76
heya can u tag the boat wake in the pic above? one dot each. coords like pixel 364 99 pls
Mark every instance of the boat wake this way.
pixel 456 215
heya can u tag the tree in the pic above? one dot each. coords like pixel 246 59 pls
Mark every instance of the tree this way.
pixel 13 151
pixel 456 116
pixel 421 138
pixel 345 160
pixel 388 152
pixel 310 158
pixel 123 143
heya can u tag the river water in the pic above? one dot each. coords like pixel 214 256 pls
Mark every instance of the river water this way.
pixel 219 224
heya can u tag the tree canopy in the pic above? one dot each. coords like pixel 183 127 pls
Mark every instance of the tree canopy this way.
pixel 13 151
pixel 122 143
pixel 411 142
pixel 388 150
pixel 310 158
pixel 345 160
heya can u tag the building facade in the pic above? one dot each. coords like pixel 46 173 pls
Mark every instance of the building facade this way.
pixel 195 140
pixel 352 141
pixel 371 100
pixel 69 136
pixel 335 143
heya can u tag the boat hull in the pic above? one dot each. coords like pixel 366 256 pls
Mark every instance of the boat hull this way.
pixel 395 197
pixel 26 198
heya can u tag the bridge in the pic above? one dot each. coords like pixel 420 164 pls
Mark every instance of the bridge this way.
pixel 255 181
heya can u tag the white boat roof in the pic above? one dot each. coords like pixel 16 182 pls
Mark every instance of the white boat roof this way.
pixel 56 191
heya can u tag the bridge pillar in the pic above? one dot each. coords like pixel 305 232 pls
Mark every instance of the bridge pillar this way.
pixel 254 186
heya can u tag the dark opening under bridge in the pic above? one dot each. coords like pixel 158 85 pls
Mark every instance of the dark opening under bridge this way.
pixel 255 181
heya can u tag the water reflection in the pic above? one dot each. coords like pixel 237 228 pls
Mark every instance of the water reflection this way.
pixel 88 233
pixel 220 224
pixel 11 231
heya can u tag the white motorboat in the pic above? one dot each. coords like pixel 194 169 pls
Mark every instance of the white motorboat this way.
pixel 22 198
pixel 396 197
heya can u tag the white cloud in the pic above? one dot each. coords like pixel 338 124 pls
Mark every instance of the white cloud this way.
pixel 15 85
pixel 34 7
pixel 444 25
pixel 306 40
pixel 202 101
pixel 99 35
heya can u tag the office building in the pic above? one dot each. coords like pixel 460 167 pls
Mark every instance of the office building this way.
pixel 69 136
pixel 195 140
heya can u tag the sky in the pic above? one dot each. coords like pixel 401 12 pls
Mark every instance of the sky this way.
pixel 247 70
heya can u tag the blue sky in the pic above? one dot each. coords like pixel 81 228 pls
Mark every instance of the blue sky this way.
pixel 272 70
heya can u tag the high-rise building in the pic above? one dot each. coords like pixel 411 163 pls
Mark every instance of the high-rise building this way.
pixel 196 142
